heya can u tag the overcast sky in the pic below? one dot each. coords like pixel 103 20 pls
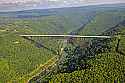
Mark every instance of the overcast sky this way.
pixel 6 5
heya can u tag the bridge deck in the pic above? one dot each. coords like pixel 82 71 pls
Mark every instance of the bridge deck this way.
pixel 73 36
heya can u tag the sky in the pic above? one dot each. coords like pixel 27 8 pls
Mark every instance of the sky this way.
pixel 10 5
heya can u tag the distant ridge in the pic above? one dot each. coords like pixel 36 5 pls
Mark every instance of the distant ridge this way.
pixel 60 8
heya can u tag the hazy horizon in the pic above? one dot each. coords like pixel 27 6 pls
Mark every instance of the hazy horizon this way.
pixel 17 5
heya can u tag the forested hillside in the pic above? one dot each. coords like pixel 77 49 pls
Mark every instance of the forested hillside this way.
pixel 107 64
pixel 23 59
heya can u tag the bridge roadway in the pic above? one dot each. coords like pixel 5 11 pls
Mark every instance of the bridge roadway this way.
pixel 72 36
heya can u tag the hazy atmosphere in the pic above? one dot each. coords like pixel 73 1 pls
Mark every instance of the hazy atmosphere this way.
pixel 8 5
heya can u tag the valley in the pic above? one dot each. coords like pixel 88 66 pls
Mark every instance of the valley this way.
pixel 42 59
